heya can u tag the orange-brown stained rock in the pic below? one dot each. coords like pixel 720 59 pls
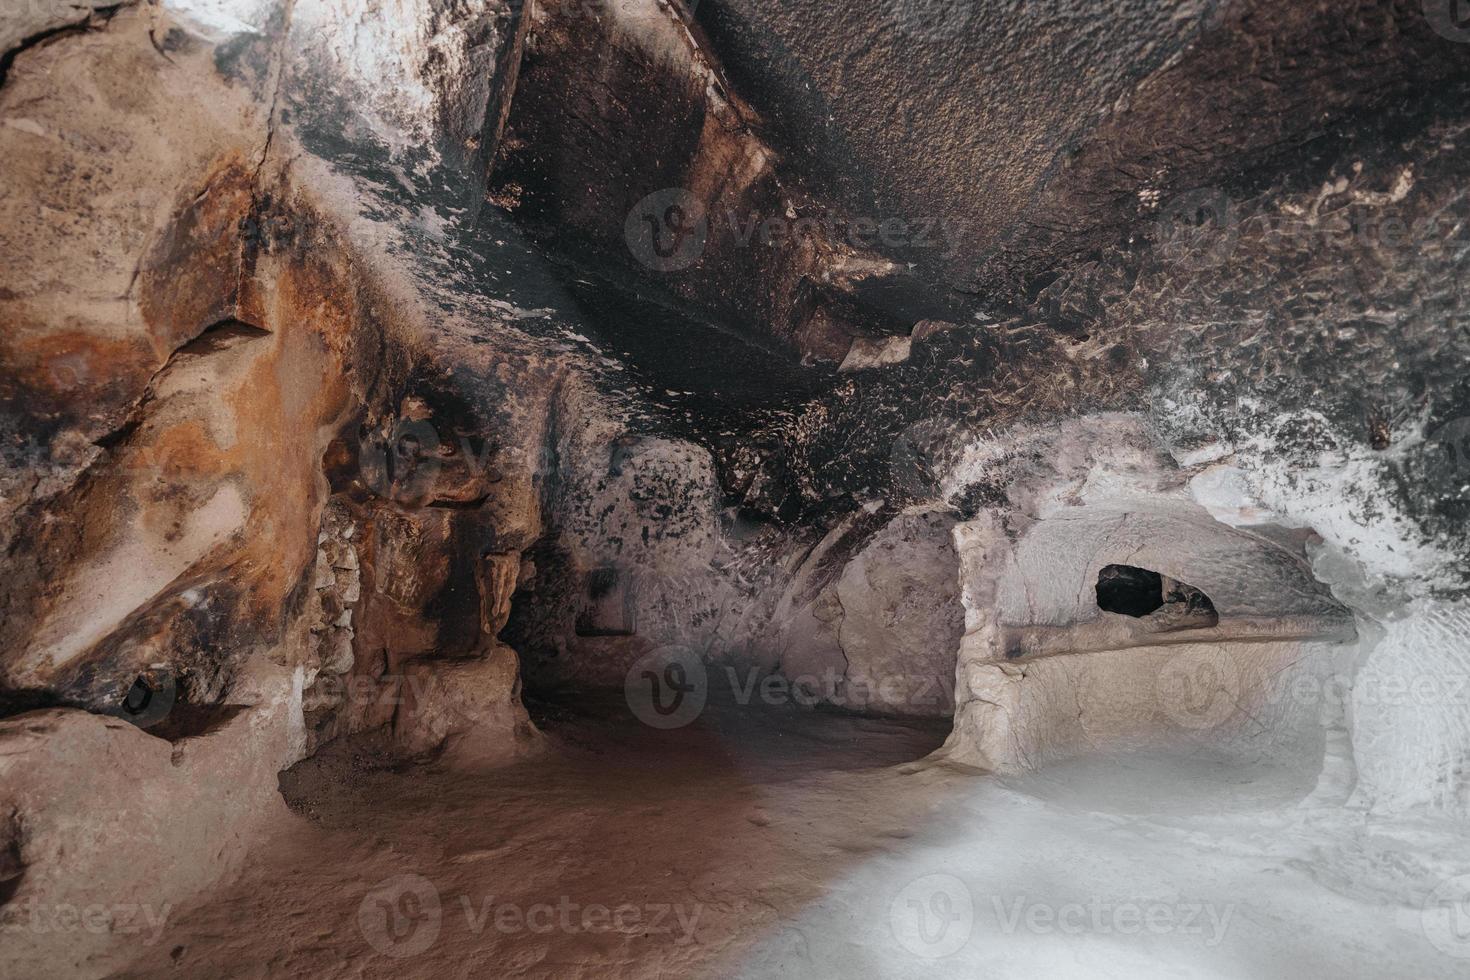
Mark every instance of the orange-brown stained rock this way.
pixel 248 410
pixel 190 277
pixel 65 376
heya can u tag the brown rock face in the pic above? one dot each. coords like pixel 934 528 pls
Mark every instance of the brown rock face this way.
pixel 249 503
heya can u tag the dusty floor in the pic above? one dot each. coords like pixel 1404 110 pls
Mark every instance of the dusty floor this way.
pixel 781 843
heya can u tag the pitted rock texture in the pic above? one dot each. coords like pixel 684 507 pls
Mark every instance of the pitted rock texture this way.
pixel 883 635
pixel 80 790
pixel 1335 405
pixel 362 361
pixel 1045 673
pixel 904 108
pixel 680 193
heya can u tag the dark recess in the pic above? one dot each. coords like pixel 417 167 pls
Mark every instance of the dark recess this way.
pixel 1129 591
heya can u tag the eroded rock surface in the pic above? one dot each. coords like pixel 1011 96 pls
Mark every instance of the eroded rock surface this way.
pixel 364 364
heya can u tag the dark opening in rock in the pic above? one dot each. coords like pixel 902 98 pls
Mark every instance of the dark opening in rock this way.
pixel 221 336
pixel 150 699
pixel 1129 591
pixel 12 868
pixel 608 609
pixel 139 696
pixel 1166 603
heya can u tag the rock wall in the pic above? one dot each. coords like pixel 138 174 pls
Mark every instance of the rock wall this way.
pixel 642 556
pixel 226 520
pixel 1047 672
pixel 679 192
pixel 629 563
pixel 302 440
pixel 101 815
pixel 872 619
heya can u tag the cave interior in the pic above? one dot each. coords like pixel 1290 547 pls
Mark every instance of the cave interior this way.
pixel 720 488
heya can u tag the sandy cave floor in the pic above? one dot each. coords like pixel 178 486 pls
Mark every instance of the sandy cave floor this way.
pixel 781 843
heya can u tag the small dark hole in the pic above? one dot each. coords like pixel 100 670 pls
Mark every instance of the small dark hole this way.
pixel 609 607
pixel 1129 591
pixel 601 582
pixel 139 696
pixel 12 870
pixel 149 700
pixel 1166 604
pixel 221 336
